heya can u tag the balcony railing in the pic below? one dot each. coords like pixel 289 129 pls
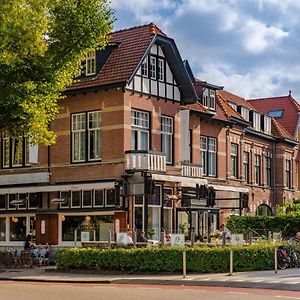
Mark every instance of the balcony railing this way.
pixel 143 160
pixel 191 170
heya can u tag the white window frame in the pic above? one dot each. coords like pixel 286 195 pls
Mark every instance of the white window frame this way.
pixel 80 200
pixel 233 105
pixel 152 67
pixel 8 201
pixel 212 99
pixel 96 128
pixel 267 125
pixel 268 170
pixel 144 67
pixel 94 198
pixel 234 157
pixel 90 67
pixel 257 166
pixel 167 131
pixel 245 113
pixel 6 145
pixel 161 69
pixel 17 152
pixel 78 119
pixel 108 205
pixel 65 205
pixel 29 206
pixel 212 157
pixel 140 123
pixel 246 162
pixel 203 154
pixel 288 173
pixel 205 98
pixel 256 121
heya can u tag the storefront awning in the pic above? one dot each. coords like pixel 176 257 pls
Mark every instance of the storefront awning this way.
pixel 229 188
pixel 58 187
pixel 184 181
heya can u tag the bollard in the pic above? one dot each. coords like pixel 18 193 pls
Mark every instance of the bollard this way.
pixel 231 263
pixel 184 263
pixel 275 261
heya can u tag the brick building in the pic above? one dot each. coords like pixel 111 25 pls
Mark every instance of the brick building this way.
pixel 142 144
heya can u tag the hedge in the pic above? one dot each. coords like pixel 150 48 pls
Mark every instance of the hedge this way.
pixel 166 259
pixel 288 225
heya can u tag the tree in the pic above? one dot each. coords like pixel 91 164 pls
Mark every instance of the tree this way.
pixel 41 44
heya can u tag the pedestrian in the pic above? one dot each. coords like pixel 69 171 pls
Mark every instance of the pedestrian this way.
pixel 142 238
pixel 225 231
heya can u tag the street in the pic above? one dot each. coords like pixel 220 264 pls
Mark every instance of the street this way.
pixel 59 291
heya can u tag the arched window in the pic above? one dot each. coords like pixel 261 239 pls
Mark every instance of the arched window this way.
pixel 264 210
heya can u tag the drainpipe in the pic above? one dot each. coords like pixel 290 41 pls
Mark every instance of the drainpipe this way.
pixel 273 175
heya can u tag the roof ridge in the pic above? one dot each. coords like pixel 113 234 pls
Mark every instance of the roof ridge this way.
pixel 153 28
pixel 254 99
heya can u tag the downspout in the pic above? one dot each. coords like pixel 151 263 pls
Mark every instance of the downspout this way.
pixel 273 175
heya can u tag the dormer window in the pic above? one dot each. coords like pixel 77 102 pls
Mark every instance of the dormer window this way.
pixel 245 113
pixel 90 63
pixel 233 105
pixel 209 99
pixel 256 121
pixel 267 125
pixel 145 67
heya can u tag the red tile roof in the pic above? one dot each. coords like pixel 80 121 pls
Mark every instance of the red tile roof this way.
pixel 222 99
pixel 289 106
pixel 229 97
pixel 279 131
pixel 198 107
pixel 132 44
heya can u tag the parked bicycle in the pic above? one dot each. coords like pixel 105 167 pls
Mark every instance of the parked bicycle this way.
pixel 287 257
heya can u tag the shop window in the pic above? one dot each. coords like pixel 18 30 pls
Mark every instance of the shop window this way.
pixel 12 197
pixel 2 229
pixel 2 202
pixel 34 200
pixel 17 228
pixel 67 199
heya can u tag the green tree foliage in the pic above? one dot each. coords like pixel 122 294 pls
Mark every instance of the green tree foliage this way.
pixel 41 44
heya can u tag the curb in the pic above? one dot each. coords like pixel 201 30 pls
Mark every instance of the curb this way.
pixel 232 284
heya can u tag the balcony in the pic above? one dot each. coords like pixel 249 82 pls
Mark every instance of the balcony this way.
pixel 143 160
pixel 191 170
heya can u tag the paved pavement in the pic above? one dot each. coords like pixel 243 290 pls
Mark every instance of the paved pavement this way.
pixel 284 280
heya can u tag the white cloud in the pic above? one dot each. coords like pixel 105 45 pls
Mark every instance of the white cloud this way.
pixel 258 36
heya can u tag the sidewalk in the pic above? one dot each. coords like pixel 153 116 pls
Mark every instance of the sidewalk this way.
pixel 284 280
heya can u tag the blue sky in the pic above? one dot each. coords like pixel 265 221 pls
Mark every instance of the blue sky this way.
pixel 251 47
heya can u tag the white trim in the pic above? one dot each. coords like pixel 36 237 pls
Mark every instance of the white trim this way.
pixel 185 181
pixel 55 188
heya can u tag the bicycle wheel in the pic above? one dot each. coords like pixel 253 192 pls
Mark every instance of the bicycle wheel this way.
pixel 281 262
pixel 294 259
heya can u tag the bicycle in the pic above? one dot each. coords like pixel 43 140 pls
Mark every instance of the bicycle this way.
pixel 287 258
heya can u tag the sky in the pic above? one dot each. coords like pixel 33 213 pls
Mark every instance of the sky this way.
pixel 251 47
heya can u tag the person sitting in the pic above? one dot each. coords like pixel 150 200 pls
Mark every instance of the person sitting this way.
pixel 142 238
pixel 224 230
pixel 168 239
pixel 297 237
pixel 129 237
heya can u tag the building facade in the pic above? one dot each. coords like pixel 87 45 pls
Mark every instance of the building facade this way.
pixel 141 144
